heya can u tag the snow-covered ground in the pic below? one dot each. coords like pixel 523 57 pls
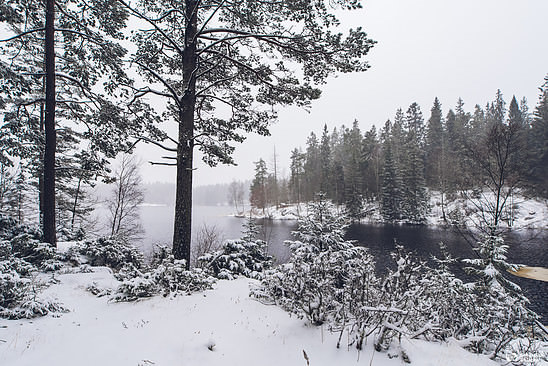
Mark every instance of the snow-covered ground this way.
pixel 223 326
pixel 519 213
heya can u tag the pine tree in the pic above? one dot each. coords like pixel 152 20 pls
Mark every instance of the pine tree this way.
pixel 59 51
pixel 237 54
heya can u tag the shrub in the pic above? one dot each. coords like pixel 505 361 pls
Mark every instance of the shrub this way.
pixel 18 292
pixel 135 288
pixel 110 252
pixel 246 256
pixel 237 257
pixel 166 276
pixel 172 277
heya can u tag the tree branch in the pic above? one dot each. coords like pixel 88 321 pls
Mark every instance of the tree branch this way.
pixel 22 34
pixel 153 23
pixel 174 94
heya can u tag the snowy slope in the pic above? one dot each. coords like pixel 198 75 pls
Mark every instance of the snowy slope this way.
pixel 218 327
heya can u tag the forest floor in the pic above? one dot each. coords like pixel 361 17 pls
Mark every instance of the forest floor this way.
pixel 223 326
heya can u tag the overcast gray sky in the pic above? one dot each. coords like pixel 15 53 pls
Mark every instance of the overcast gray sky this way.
pixel 426 48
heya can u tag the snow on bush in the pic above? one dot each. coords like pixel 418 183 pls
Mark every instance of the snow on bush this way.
pixel 165 275
pixel 246 256
pixel 173 277
pixel 19 290
pixel 503 315
pixel 107 251
pixel 21 255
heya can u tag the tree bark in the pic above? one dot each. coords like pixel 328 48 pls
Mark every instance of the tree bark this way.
pixel 49 127
pixel 182 234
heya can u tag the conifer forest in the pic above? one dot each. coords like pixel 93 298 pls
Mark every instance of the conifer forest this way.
pixel 500 147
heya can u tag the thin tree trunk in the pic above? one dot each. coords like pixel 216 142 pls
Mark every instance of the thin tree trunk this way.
pixel 49 125
pixel 75 205
pixel 41 173
pixel 183 196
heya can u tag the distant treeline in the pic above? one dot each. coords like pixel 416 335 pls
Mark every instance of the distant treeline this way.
pixel 209 195
pixel 396 165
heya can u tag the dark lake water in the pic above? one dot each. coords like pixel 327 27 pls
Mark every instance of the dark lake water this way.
pixel 527 247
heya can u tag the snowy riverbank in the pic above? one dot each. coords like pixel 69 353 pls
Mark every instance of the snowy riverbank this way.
pixel 223 326
pixel 521 214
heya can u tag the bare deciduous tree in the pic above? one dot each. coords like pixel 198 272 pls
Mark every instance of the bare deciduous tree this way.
pixel 208 239
pixel 236 195
pixel 123 204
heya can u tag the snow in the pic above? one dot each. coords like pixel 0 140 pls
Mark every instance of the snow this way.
pixel 520 212
pixel 223 326
pixel 525 213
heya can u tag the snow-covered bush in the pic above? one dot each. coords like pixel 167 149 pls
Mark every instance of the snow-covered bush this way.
pixel 503 313
pixel 19 290
pixel 450 305
pixel 172 277
pixel 329 281
pixel 9 229
pixel 135 288
pixel 246 256
pixel 110 252
pixel 26 246
pixel 21 254
pixel 166 275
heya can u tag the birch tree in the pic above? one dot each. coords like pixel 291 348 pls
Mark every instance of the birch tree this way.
pixel 123 203
pixel 223 65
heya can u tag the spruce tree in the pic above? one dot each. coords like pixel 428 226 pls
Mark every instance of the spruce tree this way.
pixel 325 162
pixel 391 194
pixel 538 145
pixel 312 167
pixel 371 160
pixel 435 148
pixel 258 195
pixel 415 195
pixel 353 166
pixel 296 181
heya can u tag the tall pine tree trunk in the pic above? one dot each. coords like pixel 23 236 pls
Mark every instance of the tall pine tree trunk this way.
pixel 183 196
pixel 49 126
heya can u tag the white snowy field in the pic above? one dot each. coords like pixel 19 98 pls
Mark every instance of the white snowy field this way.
pixel 223 326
